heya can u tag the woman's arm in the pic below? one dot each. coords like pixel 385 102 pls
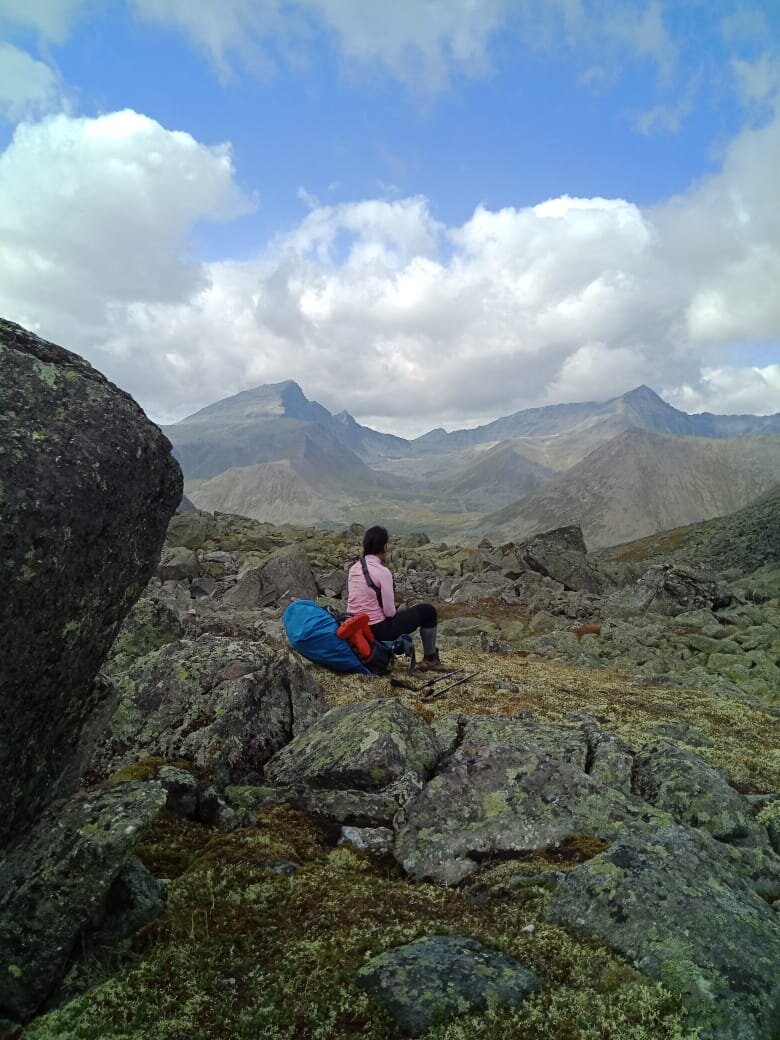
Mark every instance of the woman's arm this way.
pixel 388 592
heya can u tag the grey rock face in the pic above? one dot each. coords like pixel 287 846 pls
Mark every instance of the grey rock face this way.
pixel 251 591
pixel 492 801
pixel 692 791
pixel 561 555
pixel 87 486
pixel 432 980
pixel 358 746
pixel 669 590
pixel 288 573
pixel 55 883
pixel 674 904
pixel 226 705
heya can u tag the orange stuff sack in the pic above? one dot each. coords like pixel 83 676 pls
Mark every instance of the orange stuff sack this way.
pixel 358 634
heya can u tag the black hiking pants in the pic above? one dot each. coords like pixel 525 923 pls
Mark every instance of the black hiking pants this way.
pixel 421 615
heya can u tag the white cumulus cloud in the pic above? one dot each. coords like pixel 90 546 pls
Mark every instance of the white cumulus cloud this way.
pixel 96 214
pixel 377 306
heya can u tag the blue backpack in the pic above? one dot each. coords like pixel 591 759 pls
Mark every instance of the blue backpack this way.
pixel 311 630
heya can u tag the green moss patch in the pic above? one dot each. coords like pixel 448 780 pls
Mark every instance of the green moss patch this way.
pixel 247 949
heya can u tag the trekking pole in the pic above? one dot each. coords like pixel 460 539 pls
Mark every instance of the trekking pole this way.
pixel 431 695
pixel 439 678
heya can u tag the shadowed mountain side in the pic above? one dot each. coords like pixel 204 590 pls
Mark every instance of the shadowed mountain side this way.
pixel 640 483
pixel 367 443
pixel 267 424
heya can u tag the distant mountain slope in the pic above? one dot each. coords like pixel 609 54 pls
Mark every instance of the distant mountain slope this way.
pixel 640 408
pixel 639 483
pixel 621 468
pixel 738 542
pixel 497 476
pixel 270 491
pixel 268 424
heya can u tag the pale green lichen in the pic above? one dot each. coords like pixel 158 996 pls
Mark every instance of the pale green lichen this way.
pixel 47 373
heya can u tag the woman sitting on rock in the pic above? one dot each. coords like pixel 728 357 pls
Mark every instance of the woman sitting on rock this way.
pixel 370 591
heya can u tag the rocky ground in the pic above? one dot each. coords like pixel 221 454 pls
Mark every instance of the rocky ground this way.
pixel 579 841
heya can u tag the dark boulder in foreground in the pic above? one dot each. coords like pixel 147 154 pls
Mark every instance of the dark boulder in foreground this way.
pixel 87 487
pixel 56 887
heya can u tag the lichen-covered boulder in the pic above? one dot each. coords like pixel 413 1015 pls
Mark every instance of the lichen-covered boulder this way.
pixel 676 904
pixel 87 486
pixel 692 791
pixel 434 979
pixel 192 528
pixel 494 801
pixel 364 747
pixel 54 886
pixel 562 555
pixel 178 563
pixel 224 704
pixel 149 625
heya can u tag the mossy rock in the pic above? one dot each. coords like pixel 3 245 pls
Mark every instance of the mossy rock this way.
pixel 362 746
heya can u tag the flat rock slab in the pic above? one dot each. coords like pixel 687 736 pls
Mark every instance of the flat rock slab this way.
pixel 54 884
pixel 227 705
pixel 432 980
pixel 677 904
pixel 87 486
pixel 363 747
pixel 692 791
pixel 495 801
pixel 566 742
pixel 358 808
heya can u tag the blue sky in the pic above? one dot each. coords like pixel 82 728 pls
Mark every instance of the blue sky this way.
pixel 236 192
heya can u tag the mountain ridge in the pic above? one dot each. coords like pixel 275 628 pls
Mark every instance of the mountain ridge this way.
pixel 579 462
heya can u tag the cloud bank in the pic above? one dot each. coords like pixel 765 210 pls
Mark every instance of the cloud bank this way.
pixel 378 307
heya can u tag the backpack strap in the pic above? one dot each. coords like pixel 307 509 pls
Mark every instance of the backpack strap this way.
pixel 370 582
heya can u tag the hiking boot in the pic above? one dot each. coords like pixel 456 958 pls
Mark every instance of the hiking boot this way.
pixel 431 663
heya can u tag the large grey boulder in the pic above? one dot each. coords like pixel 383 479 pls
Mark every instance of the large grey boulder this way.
pixel 562 555
pixel 224 704
pixel 289 574
pixel 669 589
pixel 55 887
pixel 362 747
pixel 285 576
pixel 87 486
pixel 676 904
pixel 434 979
pixel 489 802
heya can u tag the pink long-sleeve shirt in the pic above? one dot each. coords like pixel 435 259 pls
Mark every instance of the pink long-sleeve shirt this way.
pixel 361 598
